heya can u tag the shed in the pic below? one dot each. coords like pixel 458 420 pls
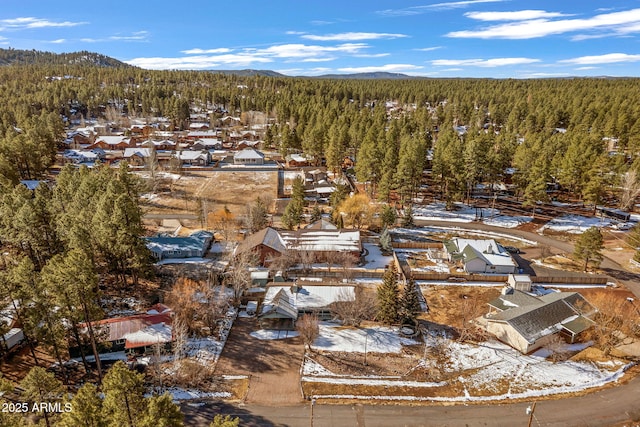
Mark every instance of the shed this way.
pixel 520 282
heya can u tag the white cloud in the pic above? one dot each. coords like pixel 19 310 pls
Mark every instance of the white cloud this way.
pixel 609 58
pixel 587 68
pixel 487 63
pixel 620 23
pixel 197 51
pixel 195 62
pixel 58 41
pixel 353 36
pixel 247 57
pixel 520 15
pixel 31 22
pixel 296 50
pixel 134 37
pixel 419 10
pixel 371 55
pixel 295 33
pixel 428 49
pixel 389 68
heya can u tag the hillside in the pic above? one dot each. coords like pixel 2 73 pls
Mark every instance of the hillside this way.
pixel 26 57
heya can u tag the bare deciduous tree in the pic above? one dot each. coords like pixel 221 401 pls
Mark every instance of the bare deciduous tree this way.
pixel 308 328
pixel 469 330
pixel 559 349
pixel 630 190
pixel 353 311
pixel 615 322
pixel 238 277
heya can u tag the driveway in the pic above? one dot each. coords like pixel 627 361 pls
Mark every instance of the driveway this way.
pixel 273 366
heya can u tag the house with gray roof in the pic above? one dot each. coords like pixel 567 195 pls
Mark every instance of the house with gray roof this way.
pixel 480 256
pixel 193 246
pixel 248 156
pixel 527 322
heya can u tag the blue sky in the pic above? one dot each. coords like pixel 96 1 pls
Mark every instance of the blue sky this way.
pixel 463 38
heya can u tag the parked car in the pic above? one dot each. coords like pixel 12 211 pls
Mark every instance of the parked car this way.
pixel 512 249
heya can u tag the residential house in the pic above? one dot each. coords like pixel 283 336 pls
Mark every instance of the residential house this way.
pixel 131 332
pixel 111 143
pixel 86 157
pixel 527 322
pixel 136 156
pixel 207 144
pixel 248 156
pixel 194 158
pixel 480 256
pixel 284 302
pixel 270 243
pixel 159 145
pixel 193 246
pixel 297 161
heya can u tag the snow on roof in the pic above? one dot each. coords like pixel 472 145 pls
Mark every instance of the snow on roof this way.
pixel 487 249
pixel 112 140
pixel 190 155
pixel 322 240
pixel 136 151
pixel 248 153
pixel 154 334
pixel 309 296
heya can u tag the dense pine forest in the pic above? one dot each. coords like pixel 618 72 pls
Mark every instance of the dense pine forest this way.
pixel 581 133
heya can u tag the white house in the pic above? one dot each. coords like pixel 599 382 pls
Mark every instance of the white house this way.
pixel 480 256
pixel 248 156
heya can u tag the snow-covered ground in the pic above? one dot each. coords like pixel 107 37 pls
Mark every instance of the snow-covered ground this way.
pixel 438 267
pixel 575 224
pixel 466 213
pixel 373 340
pixel 180 394
pixel 412 234
pixel 462 213
pixel 375 259
pixel 481 371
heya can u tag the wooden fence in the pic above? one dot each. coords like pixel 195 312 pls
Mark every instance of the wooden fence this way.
pixel 417 245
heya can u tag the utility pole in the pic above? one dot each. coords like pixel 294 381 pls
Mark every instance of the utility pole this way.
pixel 530 410
pixel 313 402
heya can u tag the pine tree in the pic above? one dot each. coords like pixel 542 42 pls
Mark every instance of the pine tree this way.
pixel 388 216
pixel 409 303
pixel 385 241
pixel 124 403
pixel 42 386
pixel 589 247
pixel 224 421
pixel 162 412
pixel 407 219
pixel 388 297
pixel 86 409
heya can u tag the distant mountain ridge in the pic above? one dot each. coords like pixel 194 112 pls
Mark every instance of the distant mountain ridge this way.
pixel 36 57
pixel 270 73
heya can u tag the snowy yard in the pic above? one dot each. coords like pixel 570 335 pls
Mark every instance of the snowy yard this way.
pixel 375 259
pixel 464 372
pixel 575 224
pixel 466 213
pixel 375 339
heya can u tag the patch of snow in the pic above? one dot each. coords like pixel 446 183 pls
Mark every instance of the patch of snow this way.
pixel 575 224
pixel 375 259
pixel 372 339
pixel 505 221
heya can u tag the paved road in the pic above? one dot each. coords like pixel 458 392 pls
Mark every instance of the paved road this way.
pixel 630 280
pixel 607 407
